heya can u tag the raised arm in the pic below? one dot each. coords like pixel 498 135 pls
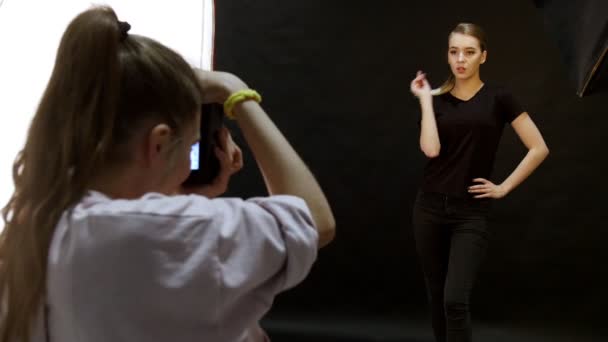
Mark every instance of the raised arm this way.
pixel 283 170
pixel 429 136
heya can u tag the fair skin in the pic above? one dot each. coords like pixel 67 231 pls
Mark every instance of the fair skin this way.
pixel 283 170
pixel 230 157
pixel 161 163
pixel 465 57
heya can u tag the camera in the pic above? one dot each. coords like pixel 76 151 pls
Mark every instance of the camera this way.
pixel 204 164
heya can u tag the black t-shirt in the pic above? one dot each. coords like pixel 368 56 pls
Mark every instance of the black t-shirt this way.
pixel 469 133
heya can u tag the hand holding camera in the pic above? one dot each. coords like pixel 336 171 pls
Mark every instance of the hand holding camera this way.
pixel 215 158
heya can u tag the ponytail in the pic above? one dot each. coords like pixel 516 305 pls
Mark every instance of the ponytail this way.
pixel 66 142
pixel 445 87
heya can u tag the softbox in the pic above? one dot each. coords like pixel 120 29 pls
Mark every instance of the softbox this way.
pixel 580 29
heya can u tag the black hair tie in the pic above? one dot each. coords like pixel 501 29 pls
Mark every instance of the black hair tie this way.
pixel 124 29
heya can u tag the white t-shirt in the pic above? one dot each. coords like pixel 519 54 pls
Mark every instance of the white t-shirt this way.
pixel 174 268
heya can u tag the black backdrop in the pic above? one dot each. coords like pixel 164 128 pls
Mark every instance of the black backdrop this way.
pixel 335 78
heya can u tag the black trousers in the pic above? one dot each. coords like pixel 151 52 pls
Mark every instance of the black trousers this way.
pixel 451 241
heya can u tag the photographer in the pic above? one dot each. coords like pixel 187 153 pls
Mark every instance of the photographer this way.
pixel 97 246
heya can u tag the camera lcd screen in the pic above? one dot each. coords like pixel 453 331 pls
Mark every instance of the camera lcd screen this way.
pixel 194 156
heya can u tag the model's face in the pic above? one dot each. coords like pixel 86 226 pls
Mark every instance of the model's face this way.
pixel 465 55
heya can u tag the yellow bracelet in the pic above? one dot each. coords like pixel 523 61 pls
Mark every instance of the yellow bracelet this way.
pixel 240 96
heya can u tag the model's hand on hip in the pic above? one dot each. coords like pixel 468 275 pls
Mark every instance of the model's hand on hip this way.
pixel 487 189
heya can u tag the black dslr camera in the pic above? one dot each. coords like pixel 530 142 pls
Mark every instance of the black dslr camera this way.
pixel 204 165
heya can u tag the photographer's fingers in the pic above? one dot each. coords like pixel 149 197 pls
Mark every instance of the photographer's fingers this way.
pixel 223 137
pixel 237 159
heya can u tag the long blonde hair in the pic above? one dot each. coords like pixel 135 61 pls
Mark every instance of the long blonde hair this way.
pixel 470 30
pixel 104 85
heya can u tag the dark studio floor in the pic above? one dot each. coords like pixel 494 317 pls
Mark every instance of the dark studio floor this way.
pixel 334 329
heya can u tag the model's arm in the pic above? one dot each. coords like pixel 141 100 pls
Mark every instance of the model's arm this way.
pixel 537 152
pixel 429 136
